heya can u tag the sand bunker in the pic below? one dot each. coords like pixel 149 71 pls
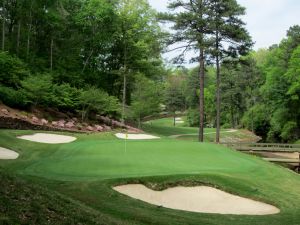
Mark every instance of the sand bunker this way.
pixel 8 154
pixel 136 136
pixel 198 199
pixel 178 120
pixel 48 138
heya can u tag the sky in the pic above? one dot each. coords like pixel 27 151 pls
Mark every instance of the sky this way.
pixel 266 20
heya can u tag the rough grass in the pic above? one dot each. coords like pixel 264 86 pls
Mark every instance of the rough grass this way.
pixel 25 203
pixel 86 169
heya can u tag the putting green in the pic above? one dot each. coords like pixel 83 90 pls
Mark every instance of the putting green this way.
pixel 87 159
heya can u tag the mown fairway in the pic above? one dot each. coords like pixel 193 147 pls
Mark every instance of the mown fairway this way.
pixel 165 128
pixel 86 170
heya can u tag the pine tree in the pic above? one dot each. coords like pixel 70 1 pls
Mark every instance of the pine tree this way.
pixel 190 19
pixel 231 39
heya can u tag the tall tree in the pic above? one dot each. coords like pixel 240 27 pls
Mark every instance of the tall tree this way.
pixel 146 98
pixel 174 95
pixel 230 37
pixel 3 15
pixel 138 39
pixel 190 20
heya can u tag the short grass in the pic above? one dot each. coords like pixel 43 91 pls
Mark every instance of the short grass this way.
pixel 165 128
pixel 86 169
pixel 96 157
pixel 238 136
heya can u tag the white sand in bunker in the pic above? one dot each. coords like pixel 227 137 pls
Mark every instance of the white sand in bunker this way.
pixel 8 154
pixel 178 119
pixel 48 138
pixel 136 136
pixel 200 199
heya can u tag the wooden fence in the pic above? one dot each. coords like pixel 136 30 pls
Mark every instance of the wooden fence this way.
pixel 270 148
pixel 264 147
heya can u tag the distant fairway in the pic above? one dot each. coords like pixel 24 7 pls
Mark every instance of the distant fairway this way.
pixel 86 169
pixel 164 127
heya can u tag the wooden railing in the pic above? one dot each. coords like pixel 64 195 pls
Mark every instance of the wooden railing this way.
pixel 263 148
pixel 267 147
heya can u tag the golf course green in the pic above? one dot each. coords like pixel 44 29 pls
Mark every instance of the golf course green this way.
pixel 87 169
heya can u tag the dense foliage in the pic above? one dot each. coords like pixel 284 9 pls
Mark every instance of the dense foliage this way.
pixel 278 98
pixel 70 54
pixel 259 91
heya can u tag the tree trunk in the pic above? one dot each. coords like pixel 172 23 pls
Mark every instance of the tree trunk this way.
pixel 124 83
pixel 28 42
pixel 218 89
pixel 139 122
pixel 87 61
pixel 29 33
pixel 252 122
pixel 232 117
pixel 201 97
pixel 174 120
pixel 51 54
pixel 124 94
pixel 18 38
pixel 3 26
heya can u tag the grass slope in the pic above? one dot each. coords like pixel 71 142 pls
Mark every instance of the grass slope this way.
pixel 86 169
pixel 165 128
pixel 25 203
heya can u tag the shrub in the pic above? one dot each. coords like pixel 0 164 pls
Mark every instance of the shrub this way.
pixel 257 117
pixel 289 131
pixel 65 97
pixel 13 98
pixel 193 117
pixel 12 70
pixel 38 89
pixel 98 101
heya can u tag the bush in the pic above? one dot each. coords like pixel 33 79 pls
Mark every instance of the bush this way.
pixel 12 70
pixel 38 89
pixel 98 101
pixel 193 117
pixel 65 97
pixel 259 118
pixel 226 126
pixel 13 98
pixel 289 132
